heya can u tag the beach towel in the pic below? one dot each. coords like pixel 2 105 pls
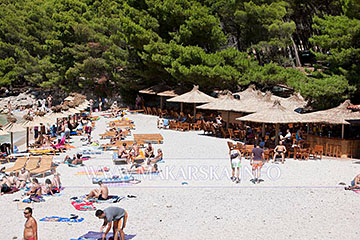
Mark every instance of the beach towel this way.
pixel 110 199
pixel 98 235
pixel 13 190
pixel 61 219
pixel 88 206
pixel 356 191
pixel 114 179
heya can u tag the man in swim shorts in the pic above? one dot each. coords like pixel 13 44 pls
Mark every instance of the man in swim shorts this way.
pixel 280 150
pixel 257 160
pixel 30 231
pixel 113 216
pixel 235 159
pixel 100 194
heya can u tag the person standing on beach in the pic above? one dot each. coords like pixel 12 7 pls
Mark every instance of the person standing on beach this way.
pixel 9 107
pixel 91 105
pixel 113 216
pixel 49 101
pixel 235 159
pixel 257 161
pixel 30 231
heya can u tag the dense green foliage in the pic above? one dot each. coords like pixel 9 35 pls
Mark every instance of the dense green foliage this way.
pixel 126 45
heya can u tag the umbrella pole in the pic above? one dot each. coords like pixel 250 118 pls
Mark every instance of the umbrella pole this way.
pixel 181 107
pixel 161 102
pixel 12 142
pixel 27 138
pixel 342 131
pixel 228 120
pixel 277 128
pixel 57 126
pixel 194 109
pixel 263 130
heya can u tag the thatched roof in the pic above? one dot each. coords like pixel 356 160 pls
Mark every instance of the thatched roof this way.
pixel 2 132
pixel 250 92
pixel 227 103
pixel 172 92
pixel 276 114
pixel 337 115
pixel 154 90
pixel 36 121
pixel 13 127
pixel 194 96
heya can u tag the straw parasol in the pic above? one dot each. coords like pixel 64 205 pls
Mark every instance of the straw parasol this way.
pixel 229 104
pixel 250 93
pixel 154 90
pixel 194 96
pixel 277 115
pixel 337 115
pixel 12 127
pixel 170 93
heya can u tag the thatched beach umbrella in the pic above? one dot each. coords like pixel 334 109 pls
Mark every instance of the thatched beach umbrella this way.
pixel 154 90
pixel 194 96
pixel 277 115
pixel 170 93
pixel 228 104
pixel 337 115
pixel 250 93
pixel 12 127
pixel 31 121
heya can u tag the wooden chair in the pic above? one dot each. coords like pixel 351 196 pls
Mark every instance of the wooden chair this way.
pixel 45 166
pixel 317 151
pixel 32 163
pixel 231 146
pixel 269 154
pixel 19 163
pixel 248 150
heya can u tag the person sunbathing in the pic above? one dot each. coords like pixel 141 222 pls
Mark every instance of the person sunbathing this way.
pixel 355 183
pixel 142 169
pixel 149 151
pixel 280 150
pixel 56 179
pixel 13 180
pixel 35 189
pixel 123 153
pixel 158 157
pixel 75 160
pixel 49 188
pixel 5 185
pixel 23 178
pixel 134 152
pixel 101 194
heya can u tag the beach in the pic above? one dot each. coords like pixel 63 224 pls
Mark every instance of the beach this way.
pixel 193 197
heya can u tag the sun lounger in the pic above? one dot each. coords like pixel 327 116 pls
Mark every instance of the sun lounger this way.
pixel 45 165
pixel 20 163
pixel 149 138
pixel 32 163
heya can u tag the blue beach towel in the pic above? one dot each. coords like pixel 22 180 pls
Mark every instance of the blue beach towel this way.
pixel 61 219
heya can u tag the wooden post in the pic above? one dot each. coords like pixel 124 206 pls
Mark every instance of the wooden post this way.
pixel 228 120
pixel 12 142
pixel 277 129
pixel 27 138
pixel 342 131
pixel 263 130
pixel 194 109
pixel 181 107
pixel 161 102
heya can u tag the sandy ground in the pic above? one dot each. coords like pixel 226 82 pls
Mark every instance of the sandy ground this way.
pixel 297 200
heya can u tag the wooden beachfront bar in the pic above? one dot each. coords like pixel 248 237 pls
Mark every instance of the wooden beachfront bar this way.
pixel 336 147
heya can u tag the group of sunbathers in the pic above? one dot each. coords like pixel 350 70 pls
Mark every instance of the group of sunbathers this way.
pixel 50 187
pixel 134 151
pixel 75 160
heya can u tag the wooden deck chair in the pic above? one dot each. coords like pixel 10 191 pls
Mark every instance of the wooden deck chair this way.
pixel 45 166
pixel 32 163
pixel 231 146
pixel 317 151
pixel 20 163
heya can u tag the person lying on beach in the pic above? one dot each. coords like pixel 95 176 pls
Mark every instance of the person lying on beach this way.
pixel 355 183
pixel 101 194
pixel 5 185
pixel 142 169
pixel 23 178
pixel 158 157
pixel 74 160
pixel 35 189
pixel 123 153
pixel 280 150
pixel 13 179
pixel 149 151
pixel 115 216
pixel 49 188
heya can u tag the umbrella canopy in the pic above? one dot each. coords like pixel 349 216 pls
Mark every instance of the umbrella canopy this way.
pixel 13 127
pixel 276 114
pixel 2 132
pixel 55 115
pixel 154 90
pixel 171 92
pixel 194 96
pixel 227 103
pixel 36 121
pixel 337 115
pixel 69 98
pixel 73 111
pixel 250 93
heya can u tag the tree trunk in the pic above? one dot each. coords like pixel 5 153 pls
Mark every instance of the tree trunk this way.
pixel 298 63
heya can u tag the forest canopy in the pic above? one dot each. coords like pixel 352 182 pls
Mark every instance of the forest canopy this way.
pixel 126 45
